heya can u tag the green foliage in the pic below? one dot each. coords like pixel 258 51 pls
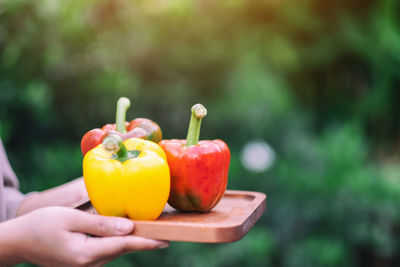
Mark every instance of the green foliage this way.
pixel 317 80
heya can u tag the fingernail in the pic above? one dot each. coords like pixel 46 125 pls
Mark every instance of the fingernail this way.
pixel 164 245
pixel 124 226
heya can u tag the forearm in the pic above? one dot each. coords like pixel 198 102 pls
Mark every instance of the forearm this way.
pixel 65 195
pixel 10 250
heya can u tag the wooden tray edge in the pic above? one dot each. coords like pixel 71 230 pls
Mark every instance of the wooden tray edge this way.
pixel 218 234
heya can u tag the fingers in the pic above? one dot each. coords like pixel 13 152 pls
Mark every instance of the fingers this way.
pixel 99 225
pixel 111 247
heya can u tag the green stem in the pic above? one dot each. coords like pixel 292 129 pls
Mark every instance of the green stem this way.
pixel 198 113
pixel 122 106
pixel 113 144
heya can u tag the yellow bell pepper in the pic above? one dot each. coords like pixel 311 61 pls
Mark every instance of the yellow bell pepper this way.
pixel 128 178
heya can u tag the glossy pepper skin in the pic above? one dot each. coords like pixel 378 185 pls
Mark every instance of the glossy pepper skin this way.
pixel 120 184
pixel 139 128
pixel 199 171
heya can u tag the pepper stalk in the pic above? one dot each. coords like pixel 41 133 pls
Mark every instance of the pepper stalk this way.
pixel 123 105
pixel 198 113
pixel 113 144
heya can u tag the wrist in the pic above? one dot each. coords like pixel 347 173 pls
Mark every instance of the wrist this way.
pixel 26 204
pixel 11 252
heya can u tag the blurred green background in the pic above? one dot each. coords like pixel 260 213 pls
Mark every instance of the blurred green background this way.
pixel 317 81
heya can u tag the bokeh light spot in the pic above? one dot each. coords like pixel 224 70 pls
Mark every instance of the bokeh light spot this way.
pixel 257 156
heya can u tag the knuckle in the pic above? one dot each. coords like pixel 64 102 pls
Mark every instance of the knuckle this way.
pixel 122 250
pixel 102 226
pixel 74 249
pixel 82 259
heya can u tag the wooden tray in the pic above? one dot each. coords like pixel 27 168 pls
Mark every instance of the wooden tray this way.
pixel 229 221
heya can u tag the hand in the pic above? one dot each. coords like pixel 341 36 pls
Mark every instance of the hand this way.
pixel 57 236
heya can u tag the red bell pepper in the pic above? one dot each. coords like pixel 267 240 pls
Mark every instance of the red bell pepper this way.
pixel 199 170
pixel 140 128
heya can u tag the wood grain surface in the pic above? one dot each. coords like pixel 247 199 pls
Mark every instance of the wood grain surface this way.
pixel 229 221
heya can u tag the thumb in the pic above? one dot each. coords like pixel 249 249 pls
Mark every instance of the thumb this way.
pixel 99 225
